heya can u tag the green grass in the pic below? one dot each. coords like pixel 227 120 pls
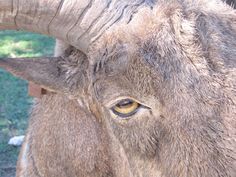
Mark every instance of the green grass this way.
pixel 22 44
pixel 14 100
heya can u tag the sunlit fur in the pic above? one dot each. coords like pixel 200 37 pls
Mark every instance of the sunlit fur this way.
pixel 179 59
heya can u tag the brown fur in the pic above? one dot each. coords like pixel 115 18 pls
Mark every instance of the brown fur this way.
pixel 181 63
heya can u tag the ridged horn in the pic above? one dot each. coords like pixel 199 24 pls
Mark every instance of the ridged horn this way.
pixel 67 20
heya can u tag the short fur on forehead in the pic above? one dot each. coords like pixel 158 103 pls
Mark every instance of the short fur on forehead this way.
pixel 189 23
pixel 146 22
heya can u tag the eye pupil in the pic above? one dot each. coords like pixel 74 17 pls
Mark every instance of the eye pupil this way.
pixel 125 103
pixel 125 108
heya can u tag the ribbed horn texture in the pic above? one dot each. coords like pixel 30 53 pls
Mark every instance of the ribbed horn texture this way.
pixel 76 22
pixel 58 18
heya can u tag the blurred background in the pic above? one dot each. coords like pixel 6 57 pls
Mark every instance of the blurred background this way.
pixel 14 100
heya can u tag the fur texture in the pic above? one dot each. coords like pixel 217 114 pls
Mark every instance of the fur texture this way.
pixel 179 59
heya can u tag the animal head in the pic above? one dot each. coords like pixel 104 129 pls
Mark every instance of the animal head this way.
pixel 142 88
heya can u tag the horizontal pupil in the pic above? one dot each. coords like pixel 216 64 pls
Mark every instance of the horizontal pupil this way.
pixel 124 103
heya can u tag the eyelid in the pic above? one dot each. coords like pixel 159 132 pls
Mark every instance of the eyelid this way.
pixel 126 114
pixel 113 102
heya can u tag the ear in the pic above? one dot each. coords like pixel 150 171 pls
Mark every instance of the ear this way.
pixel 44 72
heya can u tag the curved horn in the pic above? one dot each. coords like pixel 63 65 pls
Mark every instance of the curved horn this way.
pixel 77 22
pixel 67 20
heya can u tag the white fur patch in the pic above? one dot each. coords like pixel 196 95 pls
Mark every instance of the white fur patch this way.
pixel 23 162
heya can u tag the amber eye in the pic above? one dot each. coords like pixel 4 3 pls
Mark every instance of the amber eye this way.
pixel 126 108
